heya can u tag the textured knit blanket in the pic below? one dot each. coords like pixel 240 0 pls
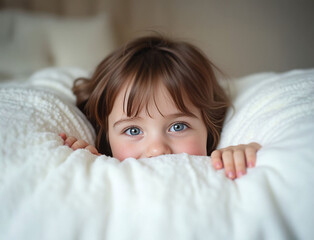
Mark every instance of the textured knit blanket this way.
pixel 48 191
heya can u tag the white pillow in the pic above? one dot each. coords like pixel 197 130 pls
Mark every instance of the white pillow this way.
pixel 29 42
pixel 81 42
pixel 23 48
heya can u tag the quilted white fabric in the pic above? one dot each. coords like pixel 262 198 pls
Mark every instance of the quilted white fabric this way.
pixel 48 191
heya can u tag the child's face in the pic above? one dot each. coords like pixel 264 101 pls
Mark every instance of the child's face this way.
pixel 153 134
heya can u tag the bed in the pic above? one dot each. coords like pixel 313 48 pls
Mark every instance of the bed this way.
pixel 48 191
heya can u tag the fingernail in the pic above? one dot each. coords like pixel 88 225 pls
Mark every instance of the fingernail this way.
pixel 218 165
pixel 251 164
pixel 240 174
pixel 230 174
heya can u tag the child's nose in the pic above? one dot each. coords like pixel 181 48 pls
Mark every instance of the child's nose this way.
pixel 157 147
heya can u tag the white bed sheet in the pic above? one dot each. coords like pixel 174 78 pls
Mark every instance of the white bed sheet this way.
pixel 48 191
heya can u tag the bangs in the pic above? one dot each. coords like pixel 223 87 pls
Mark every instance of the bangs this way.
pixel 149 73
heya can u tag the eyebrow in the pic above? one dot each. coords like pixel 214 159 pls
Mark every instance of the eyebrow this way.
pixel 127 119
pixel 180 114
pixel 174 115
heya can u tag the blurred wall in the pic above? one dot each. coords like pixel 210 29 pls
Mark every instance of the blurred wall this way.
pixel 241 37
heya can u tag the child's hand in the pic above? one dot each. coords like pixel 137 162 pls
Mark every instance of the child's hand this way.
pixel 75 143
pixel 235 159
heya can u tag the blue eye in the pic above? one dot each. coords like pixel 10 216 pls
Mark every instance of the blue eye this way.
pixel 133 131
pixel 178 127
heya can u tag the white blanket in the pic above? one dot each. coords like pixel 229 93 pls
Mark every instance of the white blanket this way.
pixel 48 191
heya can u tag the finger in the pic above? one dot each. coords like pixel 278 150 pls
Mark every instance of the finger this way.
pixel 250 155
pixel 255 145
pixel 92 149
pixel 216 159
pixel 69 141
pixel 79 144
pixel 239 162
pixel 227 158
pixel 63 136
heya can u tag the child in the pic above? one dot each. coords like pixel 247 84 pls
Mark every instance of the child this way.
pixel 157 96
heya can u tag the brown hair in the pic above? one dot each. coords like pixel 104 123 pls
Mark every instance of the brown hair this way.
pixel 143 63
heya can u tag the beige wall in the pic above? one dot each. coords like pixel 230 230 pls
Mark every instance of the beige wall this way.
pixel 242 37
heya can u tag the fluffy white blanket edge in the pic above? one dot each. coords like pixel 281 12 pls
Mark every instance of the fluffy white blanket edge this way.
pixel 48 191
